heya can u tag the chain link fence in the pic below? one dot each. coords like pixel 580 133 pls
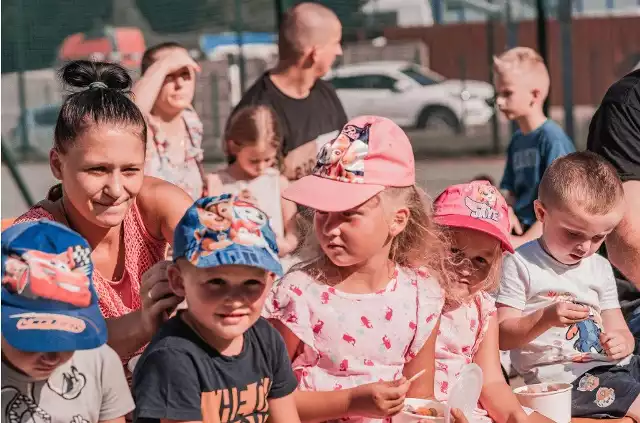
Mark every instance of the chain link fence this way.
pixel 425 64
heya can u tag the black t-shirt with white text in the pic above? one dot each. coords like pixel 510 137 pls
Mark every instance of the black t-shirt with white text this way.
pixel 179 376
pixel 614 133
pixel 318 118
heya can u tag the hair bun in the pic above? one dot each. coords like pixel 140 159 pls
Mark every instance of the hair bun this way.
pixel 83 73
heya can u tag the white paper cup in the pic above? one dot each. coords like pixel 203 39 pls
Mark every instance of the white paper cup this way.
pixel 408 417
pixel 552 400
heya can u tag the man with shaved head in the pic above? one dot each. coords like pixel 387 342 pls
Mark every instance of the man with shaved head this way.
pixel 308 109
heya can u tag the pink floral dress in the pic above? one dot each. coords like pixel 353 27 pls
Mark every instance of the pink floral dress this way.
pixel 460 334
pixel 183 171
pixel 353 339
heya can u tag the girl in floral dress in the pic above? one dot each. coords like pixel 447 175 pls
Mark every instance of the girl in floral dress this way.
pixel 360 316
pixel 475 216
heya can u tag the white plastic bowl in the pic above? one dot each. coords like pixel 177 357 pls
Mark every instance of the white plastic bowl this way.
pixel 549 399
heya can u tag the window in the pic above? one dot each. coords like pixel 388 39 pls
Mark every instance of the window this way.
pixel 348 82
pixel 421 78
pixel 371 82
pixel 379 82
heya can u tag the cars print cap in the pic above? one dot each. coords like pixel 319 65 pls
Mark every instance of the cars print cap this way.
pixel 49 303
pixel 369 154
pixel 225 230
pixel 477 205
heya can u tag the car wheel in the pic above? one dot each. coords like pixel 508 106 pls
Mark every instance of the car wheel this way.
pixel 439 118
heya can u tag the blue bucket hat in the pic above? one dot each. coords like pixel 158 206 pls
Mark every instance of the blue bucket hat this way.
pixel 49 303
pixel 226 229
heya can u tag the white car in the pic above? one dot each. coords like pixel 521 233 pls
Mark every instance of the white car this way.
pixel 412 96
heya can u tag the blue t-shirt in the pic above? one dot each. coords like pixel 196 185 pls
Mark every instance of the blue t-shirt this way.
pixel 528 156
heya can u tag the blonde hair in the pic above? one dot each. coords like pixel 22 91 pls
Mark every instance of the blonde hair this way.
pixel 524 60
pixel 421 245
pixel 490 283
pixel 252 125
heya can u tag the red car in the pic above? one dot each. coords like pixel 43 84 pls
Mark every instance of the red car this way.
pixel 58 277
pixel 122 45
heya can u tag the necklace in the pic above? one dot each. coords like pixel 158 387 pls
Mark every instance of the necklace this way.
pixel 65 215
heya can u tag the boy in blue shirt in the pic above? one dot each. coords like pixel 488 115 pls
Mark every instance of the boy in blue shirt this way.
pixel 522 85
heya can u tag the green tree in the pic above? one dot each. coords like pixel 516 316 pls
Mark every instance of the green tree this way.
pixel 171 16
pixel 45 24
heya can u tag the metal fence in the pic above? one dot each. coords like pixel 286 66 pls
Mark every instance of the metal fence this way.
pixel 448 61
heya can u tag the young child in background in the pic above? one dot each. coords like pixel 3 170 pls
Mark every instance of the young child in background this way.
pixel 522 85
pixel 218 360
pixel 253 140
pixel 475 217
pixel 360 316
pixel 56 365
pixel 558 305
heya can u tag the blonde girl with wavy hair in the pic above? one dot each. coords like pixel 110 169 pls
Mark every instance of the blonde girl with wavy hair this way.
pixel 360 315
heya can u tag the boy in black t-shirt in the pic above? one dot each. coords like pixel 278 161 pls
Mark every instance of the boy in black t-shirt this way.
pixel 218 360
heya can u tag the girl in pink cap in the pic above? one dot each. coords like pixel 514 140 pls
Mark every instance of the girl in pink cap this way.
pixel 360 315
pixel 475 218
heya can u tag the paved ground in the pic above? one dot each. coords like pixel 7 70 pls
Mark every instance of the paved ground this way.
pixel 433 175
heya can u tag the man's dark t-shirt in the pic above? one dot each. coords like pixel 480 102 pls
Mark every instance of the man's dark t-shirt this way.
pixel 179 376
pixel 614 133
pixel 317 117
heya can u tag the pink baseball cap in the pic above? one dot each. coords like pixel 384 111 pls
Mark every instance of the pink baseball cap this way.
pixel 477 205
pixel 369 154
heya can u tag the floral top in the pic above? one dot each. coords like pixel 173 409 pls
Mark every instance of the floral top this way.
pixel 182 171
pixel 353 339
pixel 459 337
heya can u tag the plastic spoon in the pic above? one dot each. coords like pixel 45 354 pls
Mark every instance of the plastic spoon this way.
pixel 417 375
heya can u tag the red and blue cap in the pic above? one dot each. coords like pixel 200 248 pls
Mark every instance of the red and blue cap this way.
pixel 49 303
pixel 226 230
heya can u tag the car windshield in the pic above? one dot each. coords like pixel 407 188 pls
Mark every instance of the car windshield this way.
pixel 421 77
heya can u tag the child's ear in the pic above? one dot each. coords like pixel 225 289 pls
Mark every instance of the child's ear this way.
pixel 176 281
pixel 55 163
pixel 540 211
pixel 232 147
pixel 400 221
pixel 537 95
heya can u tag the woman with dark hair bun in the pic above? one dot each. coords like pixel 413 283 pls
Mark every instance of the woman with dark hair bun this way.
pixel 128 219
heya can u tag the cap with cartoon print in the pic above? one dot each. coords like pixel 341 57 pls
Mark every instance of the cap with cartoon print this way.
pixel 224 230
pixel 476 205
pixel 369 154
pixel 49 303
